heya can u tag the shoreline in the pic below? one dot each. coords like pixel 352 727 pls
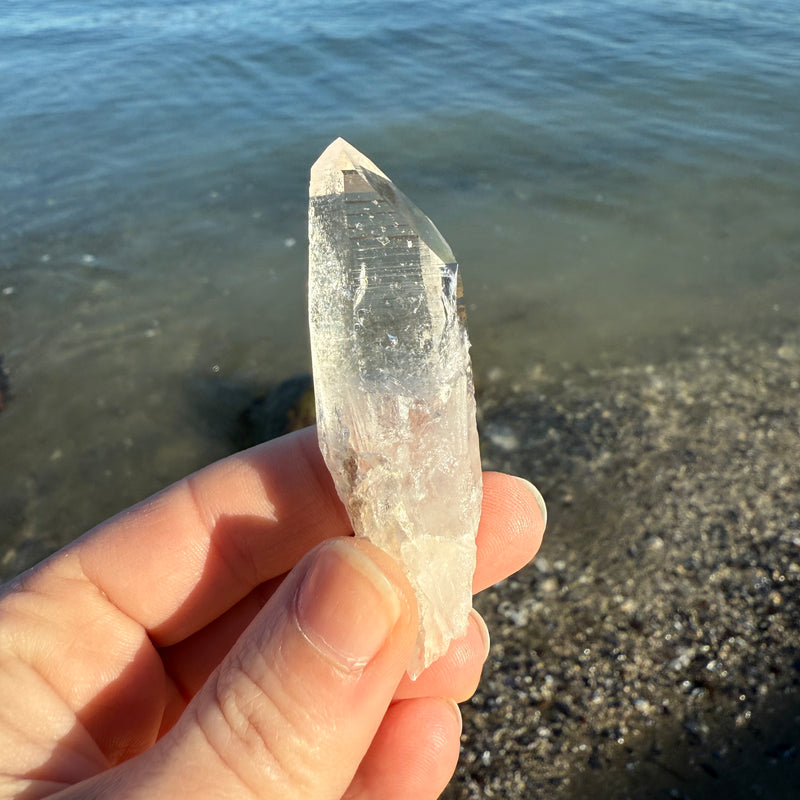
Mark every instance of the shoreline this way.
pixel 656 630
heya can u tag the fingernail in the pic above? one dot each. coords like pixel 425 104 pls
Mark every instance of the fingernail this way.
pixel 537 496
pixel 346 607
pixel 484 632
pixel 455 710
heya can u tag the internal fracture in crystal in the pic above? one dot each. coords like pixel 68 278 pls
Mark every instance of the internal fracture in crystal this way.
pixel 393 385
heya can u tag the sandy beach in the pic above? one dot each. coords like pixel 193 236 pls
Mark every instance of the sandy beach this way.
pixel 652 648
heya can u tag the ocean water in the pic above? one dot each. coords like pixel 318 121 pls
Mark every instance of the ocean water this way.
pixel 616 179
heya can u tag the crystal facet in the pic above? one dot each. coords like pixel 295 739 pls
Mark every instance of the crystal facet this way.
pixel 393 385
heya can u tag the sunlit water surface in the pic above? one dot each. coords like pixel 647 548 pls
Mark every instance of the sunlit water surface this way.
pixel 617 179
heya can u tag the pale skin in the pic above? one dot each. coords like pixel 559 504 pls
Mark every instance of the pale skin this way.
pixel 229 638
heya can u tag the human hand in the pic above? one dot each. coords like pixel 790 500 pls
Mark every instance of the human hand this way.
pixel 228 637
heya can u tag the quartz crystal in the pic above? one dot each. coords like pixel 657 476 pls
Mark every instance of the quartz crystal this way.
pixel 393 385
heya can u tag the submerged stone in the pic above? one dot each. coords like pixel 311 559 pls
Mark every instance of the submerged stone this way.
pixel 393 385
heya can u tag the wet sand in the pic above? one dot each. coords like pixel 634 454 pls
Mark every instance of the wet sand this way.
pixel 653 647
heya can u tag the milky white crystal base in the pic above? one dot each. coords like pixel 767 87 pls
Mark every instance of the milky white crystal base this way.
pixel 393 385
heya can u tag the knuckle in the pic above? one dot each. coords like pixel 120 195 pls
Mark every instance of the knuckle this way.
pixel 256 733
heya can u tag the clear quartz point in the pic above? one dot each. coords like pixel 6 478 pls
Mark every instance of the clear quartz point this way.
pixel 393 384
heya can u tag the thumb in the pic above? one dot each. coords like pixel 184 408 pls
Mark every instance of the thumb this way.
pixel 294 706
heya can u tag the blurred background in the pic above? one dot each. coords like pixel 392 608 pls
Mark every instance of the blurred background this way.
pixel 611 176
pixel 619 181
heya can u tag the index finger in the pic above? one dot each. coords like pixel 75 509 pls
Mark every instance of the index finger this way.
pixel 181 558
pixel 177 560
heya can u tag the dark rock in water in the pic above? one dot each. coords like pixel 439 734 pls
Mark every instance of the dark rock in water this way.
pixel 5 385
pixel 288 407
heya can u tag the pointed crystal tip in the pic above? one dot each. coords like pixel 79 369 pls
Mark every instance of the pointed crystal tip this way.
pixel 336 159
pixel 342 170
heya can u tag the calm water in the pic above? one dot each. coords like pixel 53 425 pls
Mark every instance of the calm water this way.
pixel 613 176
